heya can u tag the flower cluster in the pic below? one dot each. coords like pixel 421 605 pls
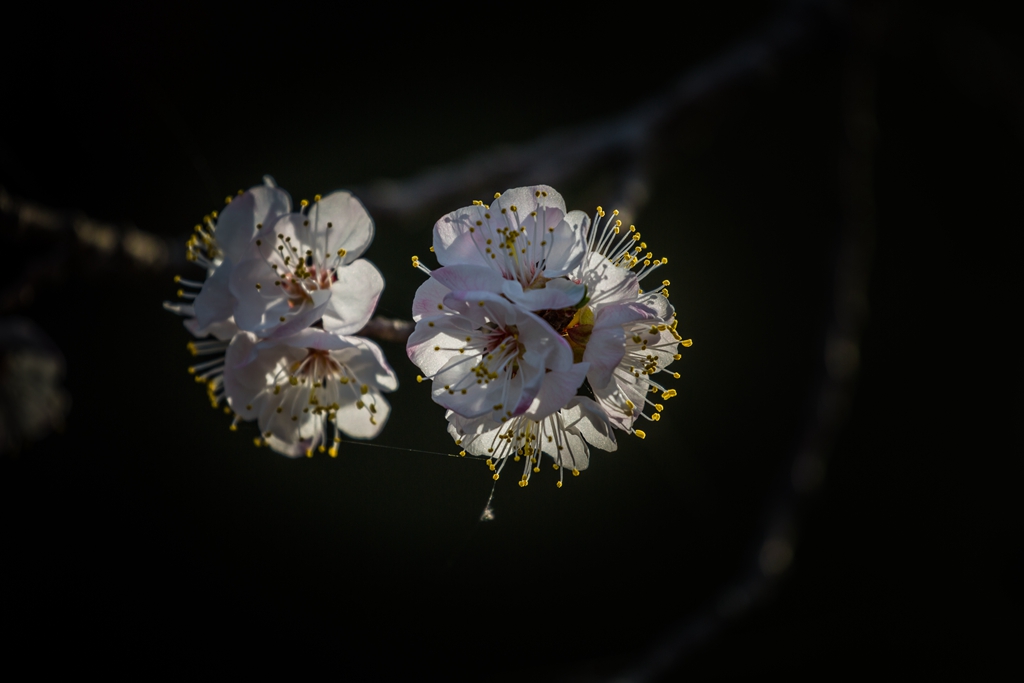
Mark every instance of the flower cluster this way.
pixel 535 334
pixel 284 294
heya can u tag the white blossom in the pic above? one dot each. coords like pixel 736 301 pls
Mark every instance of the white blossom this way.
pixel 305 388
pixel 305 266
pixel 521 246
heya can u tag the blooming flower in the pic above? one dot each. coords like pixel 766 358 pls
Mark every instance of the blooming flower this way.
pixel 307 387
pixel 487 356
pixel 520 246
pixel 525 263
pixel 305 266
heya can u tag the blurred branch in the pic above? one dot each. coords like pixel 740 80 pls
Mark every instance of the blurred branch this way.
pixel 388 329
pixel 64 234
pixel 559 156
pixel 774 546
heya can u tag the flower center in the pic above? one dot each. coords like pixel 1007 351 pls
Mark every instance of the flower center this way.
pixel 576 325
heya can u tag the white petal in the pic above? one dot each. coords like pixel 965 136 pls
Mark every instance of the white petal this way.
pixel 429 300
pixel 613 397
pixel 586 416
pixel 370 365
pixel 353 297
pixel 608 283
pixel 465 277
pixel 568 244
pixel 292 449
pixel 557 293
pixel 529 199
pixel 236 224
pixel 604 353
pixel 448 333
pixel 356 422
pixel 223 331
pixel 557 389
pixel 215 303
pixel 351 227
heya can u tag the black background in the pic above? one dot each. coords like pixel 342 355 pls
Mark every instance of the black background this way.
pixel 146 528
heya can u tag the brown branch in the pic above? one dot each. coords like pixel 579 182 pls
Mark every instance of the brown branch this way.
pixel 388 329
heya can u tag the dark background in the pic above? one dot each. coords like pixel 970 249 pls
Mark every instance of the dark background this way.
pixel 146 528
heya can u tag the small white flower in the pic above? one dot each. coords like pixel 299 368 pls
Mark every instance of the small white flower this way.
pixel 305 388
pixel 520 246
pixel 305 266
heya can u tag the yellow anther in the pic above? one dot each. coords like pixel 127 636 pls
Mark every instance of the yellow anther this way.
pixel 675 375
pixel 641 433
pixel 257 442
pixel 363 389
pixel 555 466
pixel 462 453
pixel 333 452
pixel 687 343
pixel 309 452
pixel 227 200
pixel 233 427
pixel 342 252
pixel 494 476
pixel 659 407
pixel 304 203
pixel 655 417
pixel 431 249
pixel 558 484
pixel 419 378
pixel 575 472
pixel 316 198
pixel 496 195
pixel 191 370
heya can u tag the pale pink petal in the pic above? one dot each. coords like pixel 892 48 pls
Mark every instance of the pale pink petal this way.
pixel 469 278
